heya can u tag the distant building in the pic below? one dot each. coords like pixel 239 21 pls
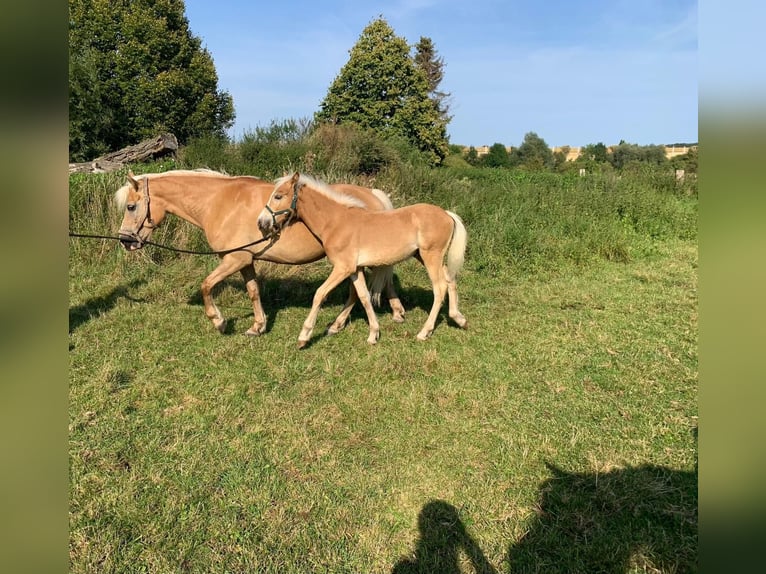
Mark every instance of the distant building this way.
pixel 572 153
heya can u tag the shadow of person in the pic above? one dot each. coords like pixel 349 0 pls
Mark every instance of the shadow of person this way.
pixel 640 518
pixel 97 306
pixel 442 537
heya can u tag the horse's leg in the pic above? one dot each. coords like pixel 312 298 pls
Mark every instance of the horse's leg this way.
pixel 364 298
pixel 336 276
pixel 229 264
pixel 259 317
pixel 397 309
pixel 454 313
pixel 342 318
pixel 432 260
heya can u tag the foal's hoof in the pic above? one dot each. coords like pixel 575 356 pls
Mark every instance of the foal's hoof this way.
pixel 253 332
pixel 302 344
pixel 397 318
pixel 221 326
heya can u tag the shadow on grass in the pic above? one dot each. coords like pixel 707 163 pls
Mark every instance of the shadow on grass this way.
pixel 442 538
pixel 281 293
pixel 641 518
pixel 94 308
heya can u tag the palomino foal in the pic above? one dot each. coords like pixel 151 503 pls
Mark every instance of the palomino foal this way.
pixel 353 237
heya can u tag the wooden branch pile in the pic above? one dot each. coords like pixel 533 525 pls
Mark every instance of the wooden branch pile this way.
pixel 162 145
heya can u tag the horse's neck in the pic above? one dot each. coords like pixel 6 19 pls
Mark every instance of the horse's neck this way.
pixel 189 202
pixel 314 210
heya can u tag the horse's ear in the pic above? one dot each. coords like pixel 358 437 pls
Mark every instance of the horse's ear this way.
pixel 295 178
pixel 132 179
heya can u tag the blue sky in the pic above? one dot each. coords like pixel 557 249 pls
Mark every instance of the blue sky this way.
pixel 575 73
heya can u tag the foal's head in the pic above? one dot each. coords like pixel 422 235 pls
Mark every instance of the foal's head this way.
pixel 140 218
pixel 282 205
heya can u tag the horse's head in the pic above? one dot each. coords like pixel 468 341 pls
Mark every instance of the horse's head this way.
pixel 137 222
pixel 282 205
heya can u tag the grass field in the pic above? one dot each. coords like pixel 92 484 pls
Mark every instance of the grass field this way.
pixel 557 434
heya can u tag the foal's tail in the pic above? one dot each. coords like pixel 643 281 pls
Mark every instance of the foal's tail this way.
pixel 456 251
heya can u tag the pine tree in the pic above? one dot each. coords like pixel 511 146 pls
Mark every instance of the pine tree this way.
pixel 382 89
pixel 136 70
pixel 433 66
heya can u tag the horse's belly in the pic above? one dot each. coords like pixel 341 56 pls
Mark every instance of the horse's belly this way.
pixel 382 254
pixel 295 246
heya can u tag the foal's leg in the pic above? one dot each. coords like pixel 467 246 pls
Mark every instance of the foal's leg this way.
pixel 364 297
pixel 259 317
pixel 336 276
pixel 342 318
pixel 433 264
pixel 454 313
pixel 229 264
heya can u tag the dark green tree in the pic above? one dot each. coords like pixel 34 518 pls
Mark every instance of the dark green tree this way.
pixel 688 162
pixel 496 157
pixel 653 154
pixel 625 153
pixel 426 59
pixel 533 153
pixel 382 89
pixel 135 70
pixel 472 156
pixel 595 152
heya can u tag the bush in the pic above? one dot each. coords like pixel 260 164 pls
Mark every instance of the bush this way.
pixel 272 151
pixel 350 149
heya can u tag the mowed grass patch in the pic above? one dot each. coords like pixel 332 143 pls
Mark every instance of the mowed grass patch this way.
pixel 560 427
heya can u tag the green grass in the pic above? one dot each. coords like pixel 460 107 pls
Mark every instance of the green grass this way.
pixel 557 434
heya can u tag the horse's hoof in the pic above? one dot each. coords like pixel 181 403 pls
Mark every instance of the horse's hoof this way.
pixel 398 318
pixel 333 329
pixel 253 333
pixel 221 326
pixel 302 344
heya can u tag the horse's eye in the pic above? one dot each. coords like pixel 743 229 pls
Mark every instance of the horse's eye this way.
pixel 131 207
pixel 278 196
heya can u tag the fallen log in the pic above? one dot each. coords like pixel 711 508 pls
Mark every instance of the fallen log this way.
pixel 155 148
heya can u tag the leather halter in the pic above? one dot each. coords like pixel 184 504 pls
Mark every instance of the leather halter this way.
pixel 147 221
pixel 292 210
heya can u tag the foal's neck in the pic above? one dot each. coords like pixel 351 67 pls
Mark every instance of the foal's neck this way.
pixel 319 213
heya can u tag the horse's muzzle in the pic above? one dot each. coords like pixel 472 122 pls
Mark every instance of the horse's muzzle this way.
pixel 267 223
pixel 130 242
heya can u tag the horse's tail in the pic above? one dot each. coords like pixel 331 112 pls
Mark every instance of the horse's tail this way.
pixel 381 276
pixel 456 251
pixel 379 279
pixel 383 198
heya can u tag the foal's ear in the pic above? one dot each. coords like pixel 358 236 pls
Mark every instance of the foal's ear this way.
pixel 132 179
pixel 295 178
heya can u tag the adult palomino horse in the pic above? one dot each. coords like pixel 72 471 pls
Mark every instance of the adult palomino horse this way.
pixel 226 208
pixel 354 237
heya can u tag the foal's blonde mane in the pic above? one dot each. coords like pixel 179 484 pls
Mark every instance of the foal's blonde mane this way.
pixel 121 195
pixel 323 189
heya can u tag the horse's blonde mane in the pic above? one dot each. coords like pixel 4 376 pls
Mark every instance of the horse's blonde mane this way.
pixel 324 189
